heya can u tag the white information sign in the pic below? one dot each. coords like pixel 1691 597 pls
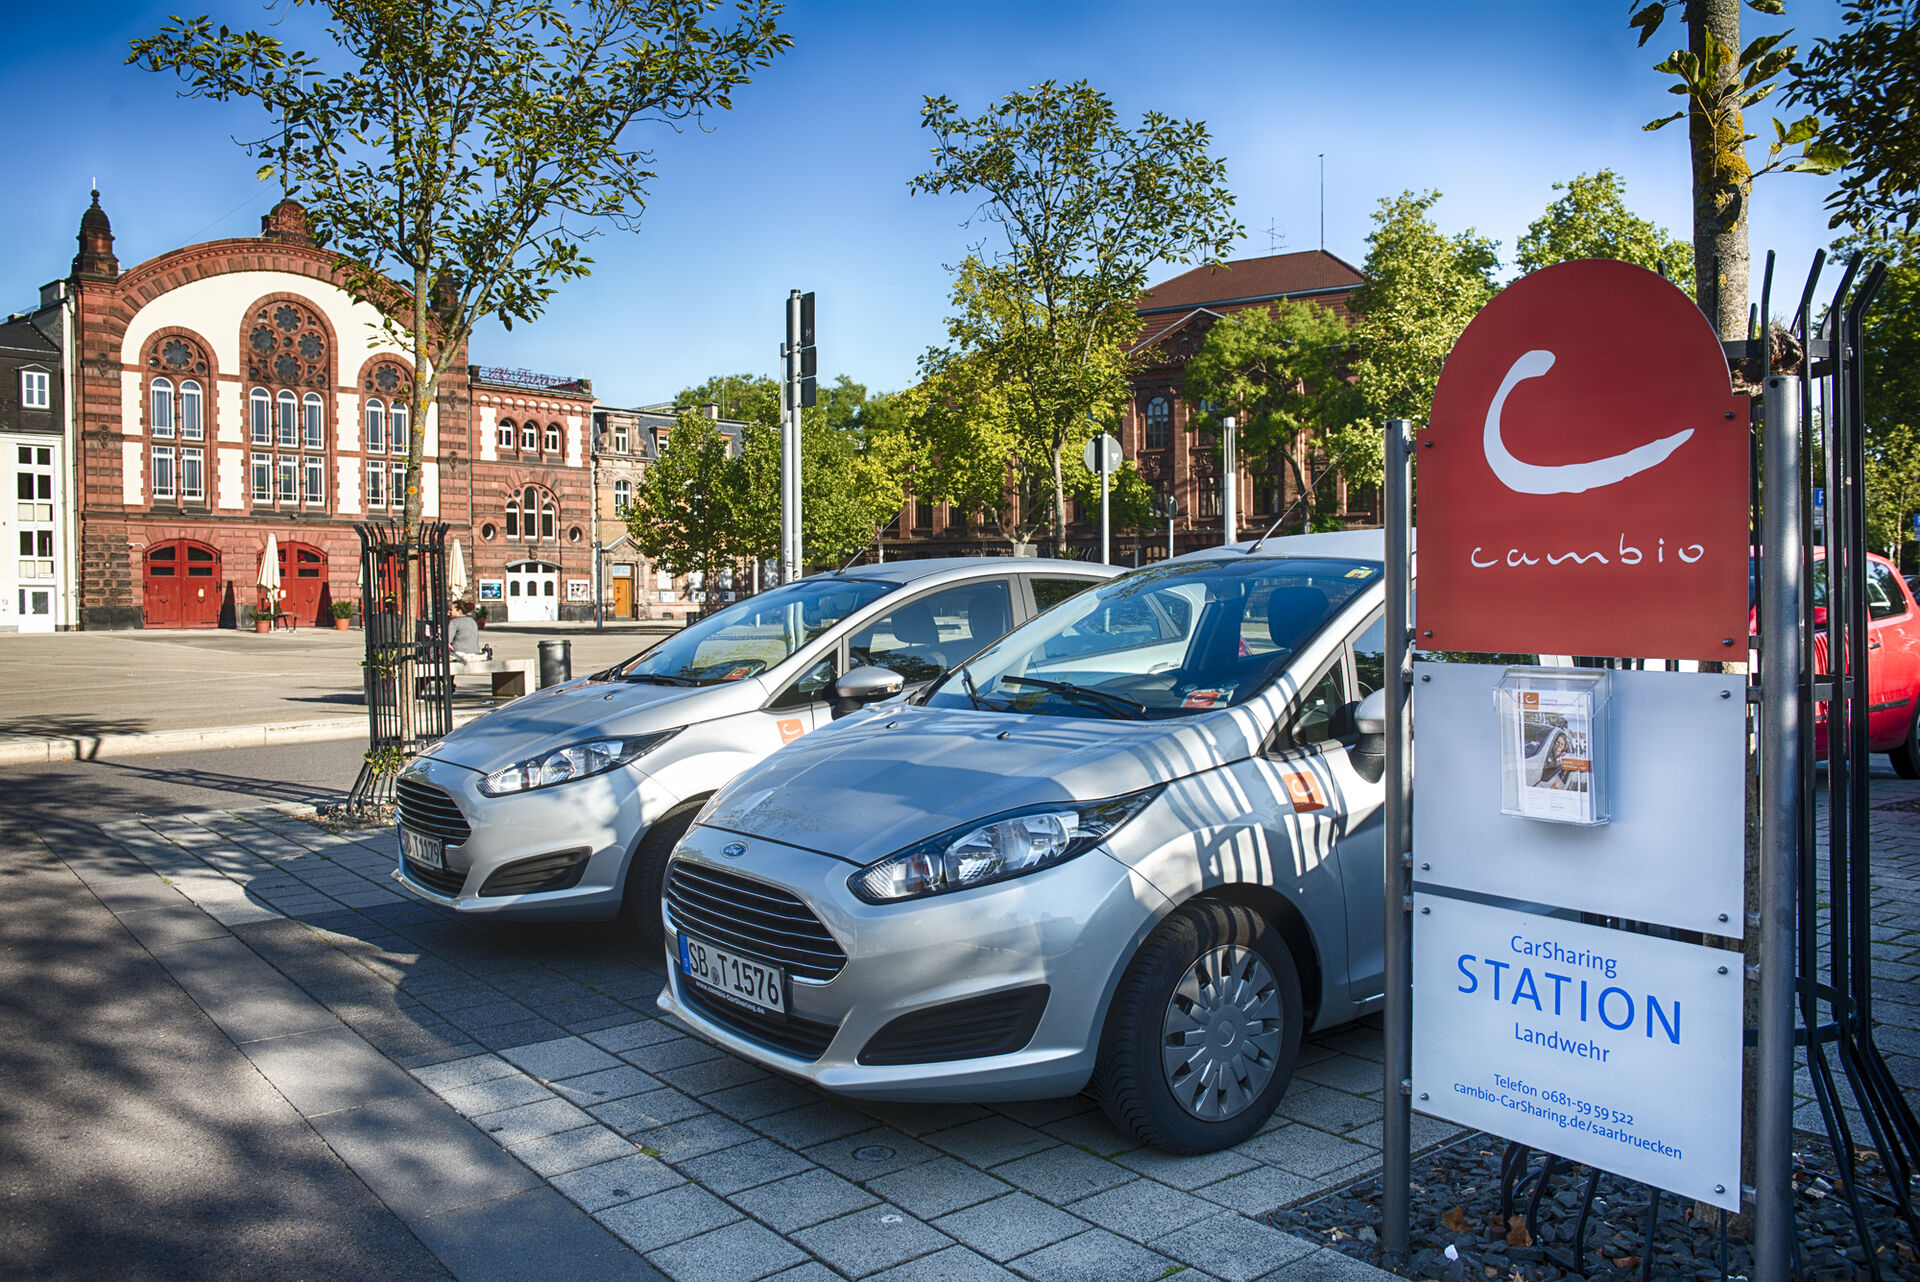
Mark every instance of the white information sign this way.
pixel 1671 852
pixel 1618 1050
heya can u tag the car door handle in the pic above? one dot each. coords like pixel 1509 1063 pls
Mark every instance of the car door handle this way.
pixel 1873 645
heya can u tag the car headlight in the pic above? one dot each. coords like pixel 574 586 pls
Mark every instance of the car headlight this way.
pixel 575 761
pixel 1009 845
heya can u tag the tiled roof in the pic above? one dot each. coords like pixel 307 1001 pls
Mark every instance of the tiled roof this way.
pixel 1249 279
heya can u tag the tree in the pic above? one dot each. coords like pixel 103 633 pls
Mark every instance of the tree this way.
pixel 745 398
pixel 1593 221
pixel 1277 370
pixel 1086 206
pixel 465 149
pixel 1721 81
pixel 683 516
pixel 1422 288
pixel 1890 352
pixel 1863 82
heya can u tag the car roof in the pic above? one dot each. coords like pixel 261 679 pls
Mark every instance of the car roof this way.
pixel 1351 545
pixel 914 571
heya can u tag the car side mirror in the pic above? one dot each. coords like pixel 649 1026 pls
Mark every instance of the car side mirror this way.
pixel 865 685
pixel 1370 714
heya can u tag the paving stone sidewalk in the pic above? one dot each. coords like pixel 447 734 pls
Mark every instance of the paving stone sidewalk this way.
pixel 549 1040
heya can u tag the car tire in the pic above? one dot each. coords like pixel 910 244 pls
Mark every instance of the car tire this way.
pixel 1906 758
pixel 1214 1092
pixel 646 884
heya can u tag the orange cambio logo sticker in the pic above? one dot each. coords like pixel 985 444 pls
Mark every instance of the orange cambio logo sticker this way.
pixel 735 675
pixel 1203 698
pixel 1529 698
pixel 792 728
pixel 1304 792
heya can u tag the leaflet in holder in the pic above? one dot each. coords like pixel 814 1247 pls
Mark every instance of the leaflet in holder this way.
pixel 1554 744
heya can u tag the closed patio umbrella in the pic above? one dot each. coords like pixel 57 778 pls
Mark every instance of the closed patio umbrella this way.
pixel 457 573
pixel 269 580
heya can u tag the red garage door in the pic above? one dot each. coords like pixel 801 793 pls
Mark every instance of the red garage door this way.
pixel 182 585
pixel 303 583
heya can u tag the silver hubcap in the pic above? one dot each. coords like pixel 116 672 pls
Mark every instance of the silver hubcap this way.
pixel 1220 1039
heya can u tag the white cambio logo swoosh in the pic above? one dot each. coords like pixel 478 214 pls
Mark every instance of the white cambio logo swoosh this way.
pixel 1566 478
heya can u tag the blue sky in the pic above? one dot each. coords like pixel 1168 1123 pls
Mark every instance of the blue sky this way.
pixel 804 184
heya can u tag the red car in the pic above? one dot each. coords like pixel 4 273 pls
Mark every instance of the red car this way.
pixel 1893 664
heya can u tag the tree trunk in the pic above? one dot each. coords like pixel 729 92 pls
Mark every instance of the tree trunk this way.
pixel 1722 181
pixel 1306 487
pixel 1059 502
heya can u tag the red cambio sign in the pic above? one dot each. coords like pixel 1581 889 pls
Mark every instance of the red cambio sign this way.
pixel 1583 482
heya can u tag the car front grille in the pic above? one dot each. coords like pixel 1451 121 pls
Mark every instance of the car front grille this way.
pixel 802 1038
pixel 433 811
pixel 764 922
pixel 561 871
pixel 444 881
pixel 998 1024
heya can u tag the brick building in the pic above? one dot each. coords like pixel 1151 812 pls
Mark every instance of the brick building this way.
pixel 530 492
pixel 626 442
pixel 1174 318
pixel 227 391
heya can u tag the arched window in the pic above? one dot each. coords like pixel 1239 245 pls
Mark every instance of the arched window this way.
pixel 288 359
pixel 1159 424
pixel 313 422
pixel 192 426
pixel 397 428
pixel 553 438
pixel 160 409
pixel 529 437
pixel 531 515
pixel 376 441
pixel 504 438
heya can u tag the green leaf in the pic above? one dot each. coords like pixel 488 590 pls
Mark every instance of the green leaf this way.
pixel 1663 121
pixel 1777 8
pixel 263 173
pixel 1648 20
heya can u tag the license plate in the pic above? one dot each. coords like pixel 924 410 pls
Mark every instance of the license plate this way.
pixel 428 852
pixel 734 978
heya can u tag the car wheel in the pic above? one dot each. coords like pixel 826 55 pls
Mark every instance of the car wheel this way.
pixel 1203 1032
pixel 1906 758
pixel 647 872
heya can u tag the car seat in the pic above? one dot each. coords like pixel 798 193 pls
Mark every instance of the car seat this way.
pixel 919 635
pixel 1294 614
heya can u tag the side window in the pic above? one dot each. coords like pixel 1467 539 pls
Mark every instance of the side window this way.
pixel 1370 658
pixel 1884 598
pixel 809 688
pixel 1319 714
pixel 923 638
pixel 1048 593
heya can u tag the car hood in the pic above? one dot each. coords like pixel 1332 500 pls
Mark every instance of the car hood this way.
pixel 585 708
pixel 868 786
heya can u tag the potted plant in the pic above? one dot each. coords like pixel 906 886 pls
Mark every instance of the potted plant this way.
pixel 342 613
pixel 261 619
pixel 480 616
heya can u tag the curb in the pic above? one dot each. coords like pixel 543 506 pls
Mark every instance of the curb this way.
pixel 99 747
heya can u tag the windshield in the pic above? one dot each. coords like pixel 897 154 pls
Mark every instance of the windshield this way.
pixel 1169 641
pixel 747 638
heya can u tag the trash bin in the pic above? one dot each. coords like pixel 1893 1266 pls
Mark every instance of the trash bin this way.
pixel 556 662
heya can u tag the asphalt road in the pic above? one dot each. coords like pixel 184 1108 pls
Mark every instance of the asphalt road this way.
pixel 136 1141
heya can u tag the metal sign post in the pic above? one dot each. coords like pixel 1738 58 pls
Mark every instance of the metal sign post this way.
pixel 1396 1130
pixel 1103 455
pixel 1779 726
pixel 1230 481
pixel 790 446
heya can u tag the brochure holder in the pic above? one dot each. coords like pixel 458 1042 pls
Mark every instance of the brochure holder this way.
pixel 1554 744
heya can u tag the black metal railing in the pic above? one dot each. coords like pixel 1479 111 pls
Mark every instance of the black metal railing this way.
pixel 407 676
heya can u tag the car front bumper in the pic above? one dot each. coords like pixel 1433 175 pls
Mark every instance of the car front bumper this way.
pixel 1055 939
pixel 595 821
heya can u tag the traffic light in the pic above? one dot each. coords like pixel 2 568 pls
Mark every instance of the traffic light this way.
pixel 809 354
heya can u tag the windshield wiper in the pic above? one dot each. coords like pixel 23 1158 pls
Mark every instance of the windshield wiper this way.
pixel 1082 694
pixel 973 694
pixel 658 678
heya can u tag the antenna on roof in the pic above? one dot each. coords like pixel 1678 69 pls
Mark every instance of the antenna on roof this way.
pixel 1275 237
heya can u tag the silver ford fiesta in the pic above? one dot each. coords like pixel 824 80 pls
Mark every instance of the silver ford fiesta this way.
pixel 1137 842
pixel 565 804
